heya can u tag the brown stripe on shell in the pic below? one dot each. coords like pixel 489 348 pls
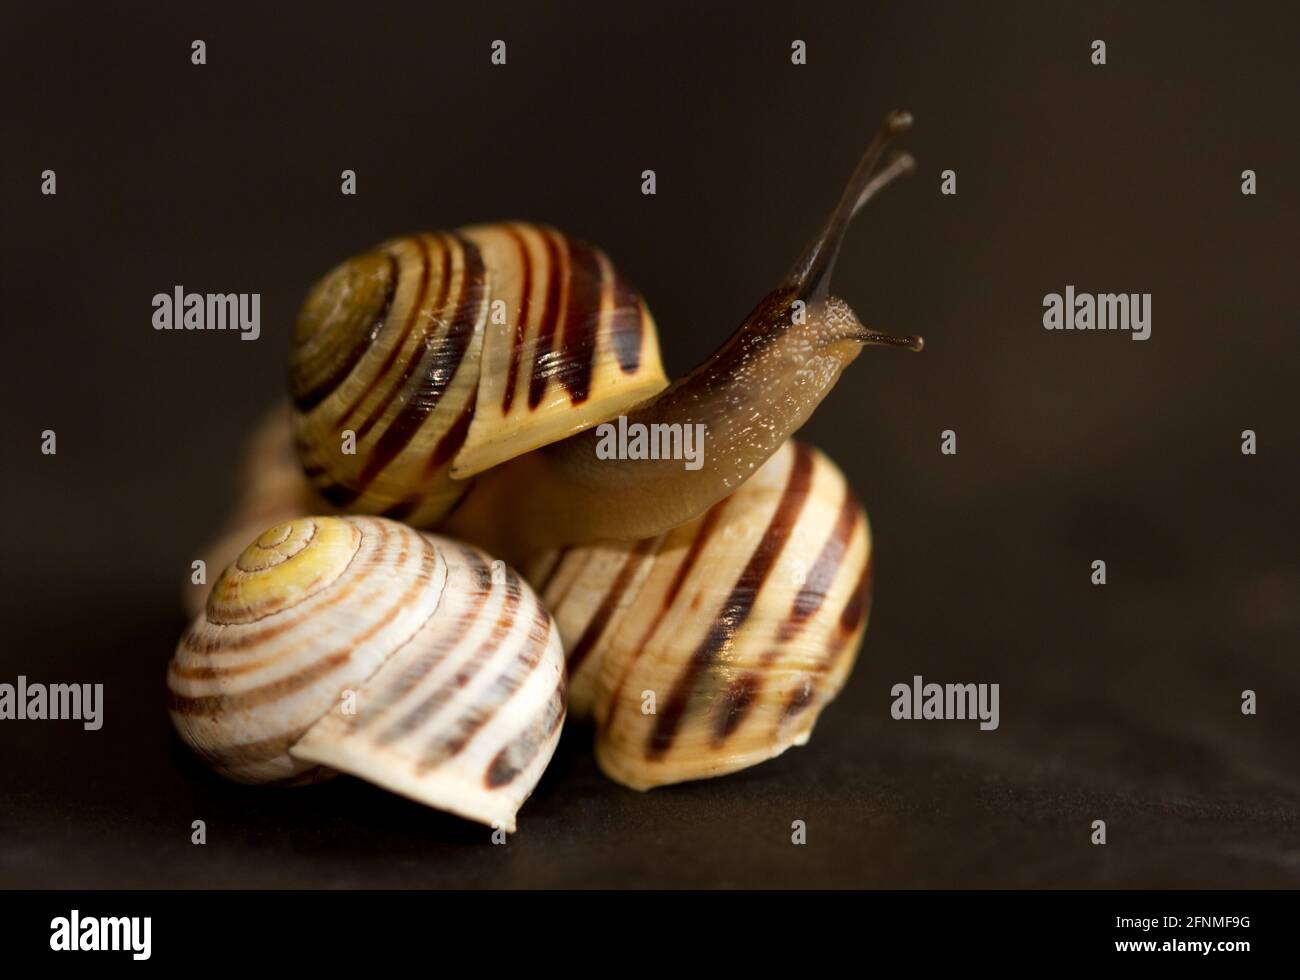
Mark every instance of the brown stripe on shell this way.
pixel 822 575
pixel 523 749
pixel 734 705
pixel 438 699
pixel 445 359
pixel 210 672
pixel 697 545
pixel 855 610
pixel 447 447
pixel 738 605
pixel 626 326
pixel 521 324
pixel 447 640
pixel 800 698
pixel 451 441
pixel 491 700
pixel 850 620
pixel 412 318
pixel 427 319
pixel 215 704
pixel 582 309
pixel 482 656
pixel 343 495
pixel 632 563
pixel 543 368
pixel 309 399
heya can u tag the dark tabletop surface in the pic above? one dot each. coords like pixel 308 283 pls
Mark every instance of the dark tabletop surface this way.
pixel 1118 702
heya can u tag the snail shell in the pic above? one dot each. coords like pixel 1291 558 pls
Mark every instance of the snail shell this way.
pixel 364 646
pixel 743 624
pixel 447 353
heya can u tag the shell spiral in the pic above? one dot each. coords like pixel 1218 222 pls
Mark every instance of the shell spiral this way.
pixel 445 354
pixel 738 627
pixel 361 645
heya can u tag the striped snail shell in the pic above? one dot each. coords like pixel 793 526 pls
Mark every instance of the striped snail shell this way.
pixel 448 353
pixel 363 646
pixel 716 645
pixel 458 380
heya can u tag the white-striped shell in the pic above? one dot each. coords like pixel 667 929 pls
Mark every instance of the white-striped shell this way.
pixel 716 645
pixel 362 645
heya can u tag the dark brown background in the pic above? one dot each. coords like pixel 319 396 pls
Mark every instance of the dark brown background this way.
pixel 1120 703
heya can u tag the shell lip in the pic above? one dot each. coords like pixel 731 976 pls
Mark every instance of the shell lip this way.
pixel 466 802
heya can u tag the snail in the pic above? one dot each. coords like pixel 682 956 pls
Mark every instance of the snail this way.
pixel 458 380
pixel 360 645
pixel 714 646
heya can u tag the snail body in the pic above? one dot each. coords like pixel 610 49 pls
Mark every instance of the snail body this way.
pixel 361 645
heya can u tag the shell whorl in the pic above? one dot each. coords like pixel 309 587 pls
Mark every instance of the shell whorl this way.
pixel 448 353
pixel 362 645
pixel 743 623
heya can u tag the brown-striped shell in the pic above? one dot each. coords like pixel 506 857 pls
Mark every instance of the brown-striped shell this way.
pixel 445 354
pixel 716 645
pixel 364 646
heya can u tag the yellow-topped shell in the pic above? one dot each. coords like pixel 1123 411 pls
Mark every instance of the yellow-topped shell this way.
pixel 360 644
pixel 437 356
pixel 286 565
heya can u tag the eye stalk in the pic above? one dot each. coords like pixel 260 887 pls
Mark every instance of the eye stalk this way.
pixel 811 275
pixel 871 338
